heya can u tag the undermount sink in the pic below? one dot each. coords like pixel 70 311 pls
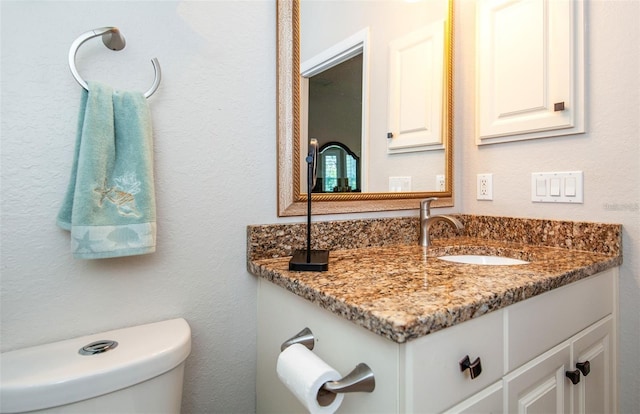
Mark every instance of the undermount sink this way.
pixel 483 260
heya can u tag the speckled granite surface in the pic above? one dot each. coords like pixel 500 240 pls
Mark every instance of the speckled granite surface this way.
pixel 381 279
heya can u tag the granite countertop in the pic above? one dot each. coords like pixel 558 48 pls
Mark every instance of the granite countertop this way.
pixel 402 291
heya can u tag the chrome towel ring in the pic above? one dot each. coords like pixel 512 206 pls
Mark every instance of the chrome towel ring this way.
pixel 114 40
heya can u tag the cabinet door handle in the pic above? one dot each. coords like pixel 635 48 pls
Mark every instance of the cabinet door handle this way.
pixel 584 367
pixel 475 367
pixel 574 376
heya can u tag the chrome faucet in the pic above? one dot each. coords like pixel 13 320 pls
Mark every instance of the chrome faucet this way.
pixel 426 220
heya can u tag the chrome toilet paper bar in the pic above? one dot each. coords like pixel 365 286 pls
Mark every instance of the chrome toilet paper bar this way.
pixel 361 379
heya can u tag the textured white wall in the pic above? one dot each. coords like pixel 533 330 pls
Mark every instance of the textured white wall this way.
pixel 214 129
pixel 609 155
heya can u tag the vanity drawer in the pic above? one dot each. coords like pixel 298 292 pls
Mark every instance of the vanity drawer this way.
pixel 537 324
pixel 434 380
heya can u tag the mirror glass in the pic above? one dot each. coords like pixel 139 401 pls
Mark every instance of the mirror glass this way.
pixel 372 82
pixel 334 118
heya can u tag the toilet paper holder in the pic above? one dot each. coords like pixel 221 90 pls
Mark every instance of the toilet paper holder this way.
pixel 360 379
pixel 304 337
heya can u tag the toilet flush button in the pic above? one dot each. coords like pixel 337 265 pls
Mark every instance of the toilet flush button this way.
pixel 98 347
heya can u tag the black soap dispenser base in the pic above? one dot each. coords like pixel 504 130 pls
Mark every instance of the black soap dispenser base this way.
pixel 310 261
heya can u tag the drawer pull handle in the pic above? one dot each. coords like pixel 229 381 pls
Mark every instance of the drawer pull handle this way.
pixel 584 367
pixel 574 376
pixel 475 367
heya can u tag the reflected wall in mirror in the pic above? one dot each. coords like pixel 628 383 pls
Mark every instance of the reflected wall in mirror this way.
pixel 332 107
pixel 376 92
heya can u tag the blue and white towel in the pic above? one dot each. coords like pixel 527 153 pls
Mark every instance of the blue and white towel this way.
pixel 110 202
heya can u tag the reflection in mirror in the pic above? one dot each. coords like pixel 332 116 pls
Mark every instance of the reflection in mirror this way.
pixel 387 141
pixel 339 169
pixel 335 120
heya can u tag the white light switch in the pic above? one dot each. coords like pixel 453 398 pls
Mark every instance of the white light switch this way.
pixel 541 187
pixel 554 187
pixel 563 187
pixel 570 186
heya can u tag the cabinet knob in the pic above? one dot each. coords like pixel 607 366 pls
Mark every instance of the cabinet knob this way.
pixel 584 367
pixel 475 367
pixel 574 376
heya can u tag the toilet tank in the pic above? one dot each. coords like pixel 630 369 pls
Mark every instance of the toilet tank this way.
pixel 143 372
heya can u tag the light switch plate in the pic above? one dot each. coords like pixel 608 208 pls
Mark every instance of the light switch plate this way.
pixel 399 184
pixel 557 187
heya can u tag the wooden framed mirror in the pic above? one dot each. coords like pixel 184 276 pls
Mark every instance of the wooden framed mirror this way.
pixel 292 201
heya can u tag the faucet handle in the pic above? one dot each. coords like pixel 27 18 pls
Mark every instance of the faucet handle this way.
pixel 425 206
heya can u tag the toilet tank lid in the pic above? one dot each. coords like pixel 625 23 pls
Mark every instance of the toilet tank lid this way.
pixel 56 374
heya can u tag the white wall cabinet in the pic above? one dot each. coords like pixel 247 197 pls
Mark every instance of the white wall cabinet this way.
pixel 530 69
pixel 416 90
pixel 424 375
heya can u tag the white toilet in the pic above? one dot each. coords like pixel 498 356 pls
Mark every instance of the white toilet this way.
pixel 132 370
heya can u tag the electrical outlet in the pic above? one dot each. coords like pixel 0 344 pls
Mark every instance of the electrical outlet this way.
pixel 440 182
pixel 485 187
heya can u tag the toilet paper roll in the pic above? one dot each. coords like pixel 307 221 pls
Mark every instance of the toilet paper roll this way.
pixel 304 373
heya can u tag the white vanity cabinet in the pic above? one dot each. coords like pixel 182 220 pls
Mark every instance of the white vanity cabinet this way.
pixel 543 386
pixel 340 343
pixel 529 69
pixel 431 364
pixel 563 331
pixel 596 392
pixel 525 351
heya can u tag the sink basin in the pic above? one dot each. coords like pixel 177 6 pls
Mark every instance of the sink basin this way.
pixel 483 260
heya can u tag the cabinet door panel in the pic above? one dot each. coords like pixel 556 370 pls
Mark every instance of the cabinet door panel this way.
pixel 541 386
pixel 487 401
pixel 594 393
pixel 528 60
pixel 416 89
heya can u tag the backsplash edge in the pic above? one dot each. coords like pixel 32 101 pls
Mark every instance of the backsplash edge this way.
pixel 279 240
